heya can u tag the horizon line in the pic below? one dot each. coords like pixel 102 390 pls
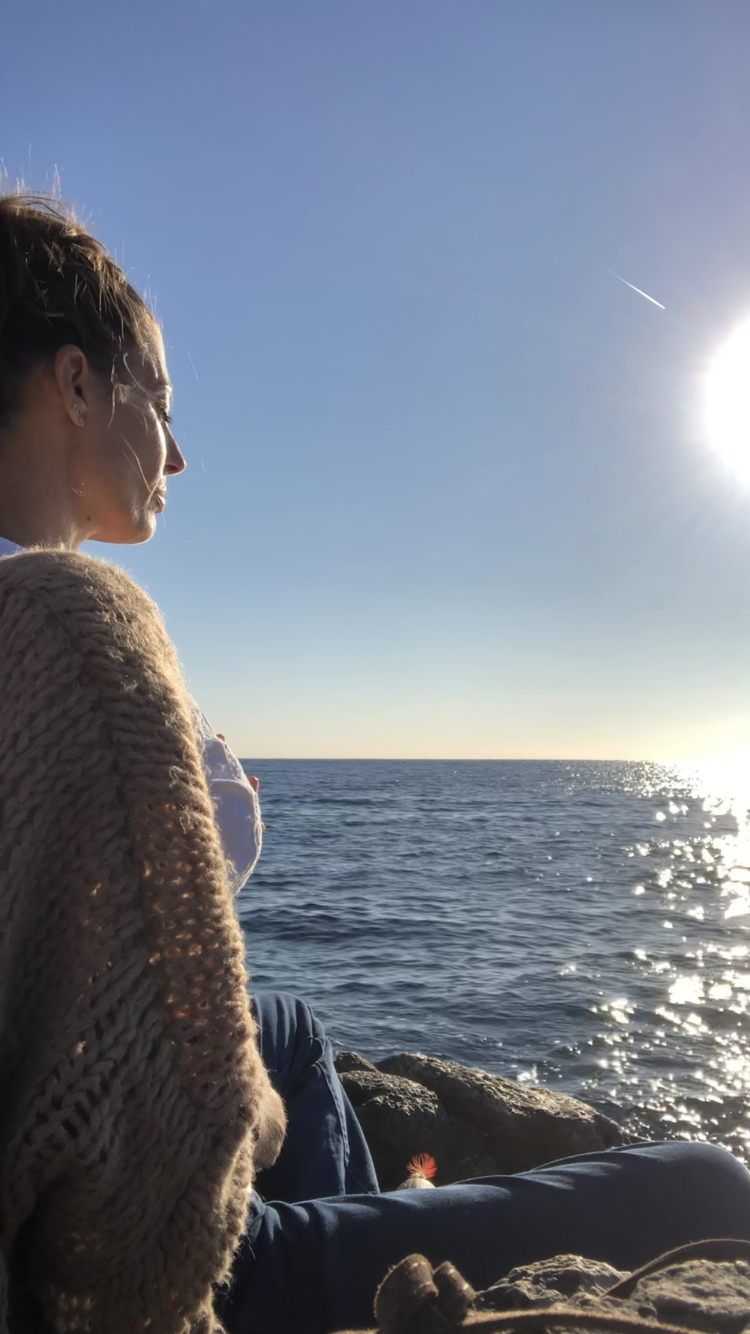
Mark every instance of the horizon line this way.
pixel 463 759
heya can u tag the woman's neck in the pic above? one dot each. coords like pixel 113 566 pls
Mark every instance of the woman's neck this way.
pixel 28 525
pixel 37 504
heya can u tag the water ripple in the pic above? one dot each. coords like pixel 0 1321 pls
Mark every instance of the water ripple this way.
pixel 584 926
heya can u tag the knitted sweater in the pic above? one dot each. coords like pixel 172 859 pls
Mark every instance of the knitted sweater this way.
pixel 131 1091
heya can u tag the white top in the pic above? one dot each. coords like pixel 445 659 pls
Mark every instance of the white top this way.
pixel 237 806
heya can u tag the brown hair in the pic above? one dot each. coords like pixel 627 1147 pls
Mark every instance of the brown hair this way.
pixel 59 285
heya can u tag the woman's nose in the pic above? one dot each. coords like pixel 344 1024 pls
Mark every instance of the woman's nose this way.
pixel 175 461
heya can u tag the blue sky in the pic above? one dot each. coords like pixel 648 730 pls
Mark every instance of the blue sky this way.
pixel 449 489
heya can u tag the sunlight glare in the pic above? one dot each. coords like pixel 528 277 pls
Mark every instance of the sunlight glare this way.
pixel 728 401
pixel 723 781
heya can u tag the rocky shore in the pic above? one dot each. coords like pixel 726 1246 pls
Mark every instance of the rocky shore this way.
pixel 471 1122
pixel 477 1124
pixel 702 1287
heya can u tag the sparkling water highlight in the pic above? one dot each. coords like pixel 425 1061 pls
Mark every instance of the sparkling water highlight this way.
pixel 579 925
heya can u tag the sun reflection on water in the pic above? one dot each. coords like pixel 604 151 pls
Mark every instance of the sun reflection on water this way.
pixel 674 1055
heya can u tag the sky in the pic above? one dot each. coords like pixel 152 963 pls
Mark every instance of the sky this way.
pixel 450 489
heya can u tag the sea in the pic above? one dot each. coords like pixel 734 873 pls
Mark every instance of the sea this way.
pixel 582 926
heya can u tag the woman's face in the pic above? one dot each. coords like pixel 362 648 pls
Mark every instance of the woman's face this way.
pixel 125 450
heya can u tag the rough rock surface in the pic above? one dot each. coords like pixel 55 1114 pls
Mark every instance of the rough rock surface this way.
pixel 564 1278
pixel 473 1123
pixel 701 1294
pixel 398 1116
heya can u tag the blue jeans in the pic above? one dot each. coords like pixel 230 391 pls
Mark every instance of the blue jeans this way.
pixel 311 1267
pixel 324 1151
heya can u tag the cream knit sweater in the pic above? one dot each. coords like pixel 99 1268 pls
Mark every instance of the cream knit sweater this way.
pixel 131 1091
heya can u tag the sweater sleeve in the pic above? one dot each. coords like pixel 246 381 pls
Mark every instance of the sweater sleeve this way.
pixel 133 1090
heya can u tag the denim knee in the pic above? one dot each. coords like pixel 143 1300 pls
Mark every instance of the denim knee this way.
pixel 695 1186
pixel 713 1171
pixel 291 1040
pixel 283 1012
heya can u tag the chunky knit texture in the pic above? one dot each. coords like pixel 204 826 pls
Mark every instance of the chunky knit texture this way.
pixel 130 1085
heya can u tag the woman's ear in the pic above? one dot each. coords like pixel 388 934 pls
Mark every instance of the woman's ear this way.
pixel 71 377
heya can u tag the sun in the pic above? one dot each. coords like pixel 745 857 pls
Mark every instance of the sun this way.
pixel 728 401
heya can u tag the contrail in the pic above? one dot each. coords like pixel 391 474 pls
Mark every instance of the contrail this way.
pixel 479 296
pixel 636 289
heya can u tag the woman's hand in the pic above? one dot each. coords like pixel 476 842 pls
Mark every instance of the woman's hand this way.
pixel 252 780
pixel 271 1130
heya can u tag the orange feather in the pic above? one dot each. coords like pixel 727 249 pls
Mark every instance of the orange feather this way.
pixel 422 1165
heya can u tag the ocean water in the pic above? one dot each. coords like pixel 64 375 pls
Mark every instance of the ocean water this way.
pixel 585 926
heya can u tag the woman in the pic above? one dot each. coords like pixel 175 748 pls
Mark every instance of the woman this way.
pixel 86 451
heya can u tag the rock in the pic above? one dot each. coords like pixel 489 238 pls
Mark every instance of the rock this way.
pixel 398 1116
pixel 699 1294
pixel 704 1287
pixel 351 1060
pixel 525 1126
pixel 473 1123
pixel 564 1278
pixel 702 1294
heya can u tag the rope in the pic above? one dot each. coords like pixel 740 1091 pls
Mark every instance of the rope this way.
pixel 714 1248
pixel 571 1317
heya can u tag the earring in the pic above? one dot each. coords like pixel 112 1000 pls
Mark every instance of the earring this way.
pixel 81 415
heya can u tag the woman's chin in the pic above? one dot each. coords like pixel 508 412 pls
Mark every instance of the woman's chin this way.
pixel 145 530
pixel 139 528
